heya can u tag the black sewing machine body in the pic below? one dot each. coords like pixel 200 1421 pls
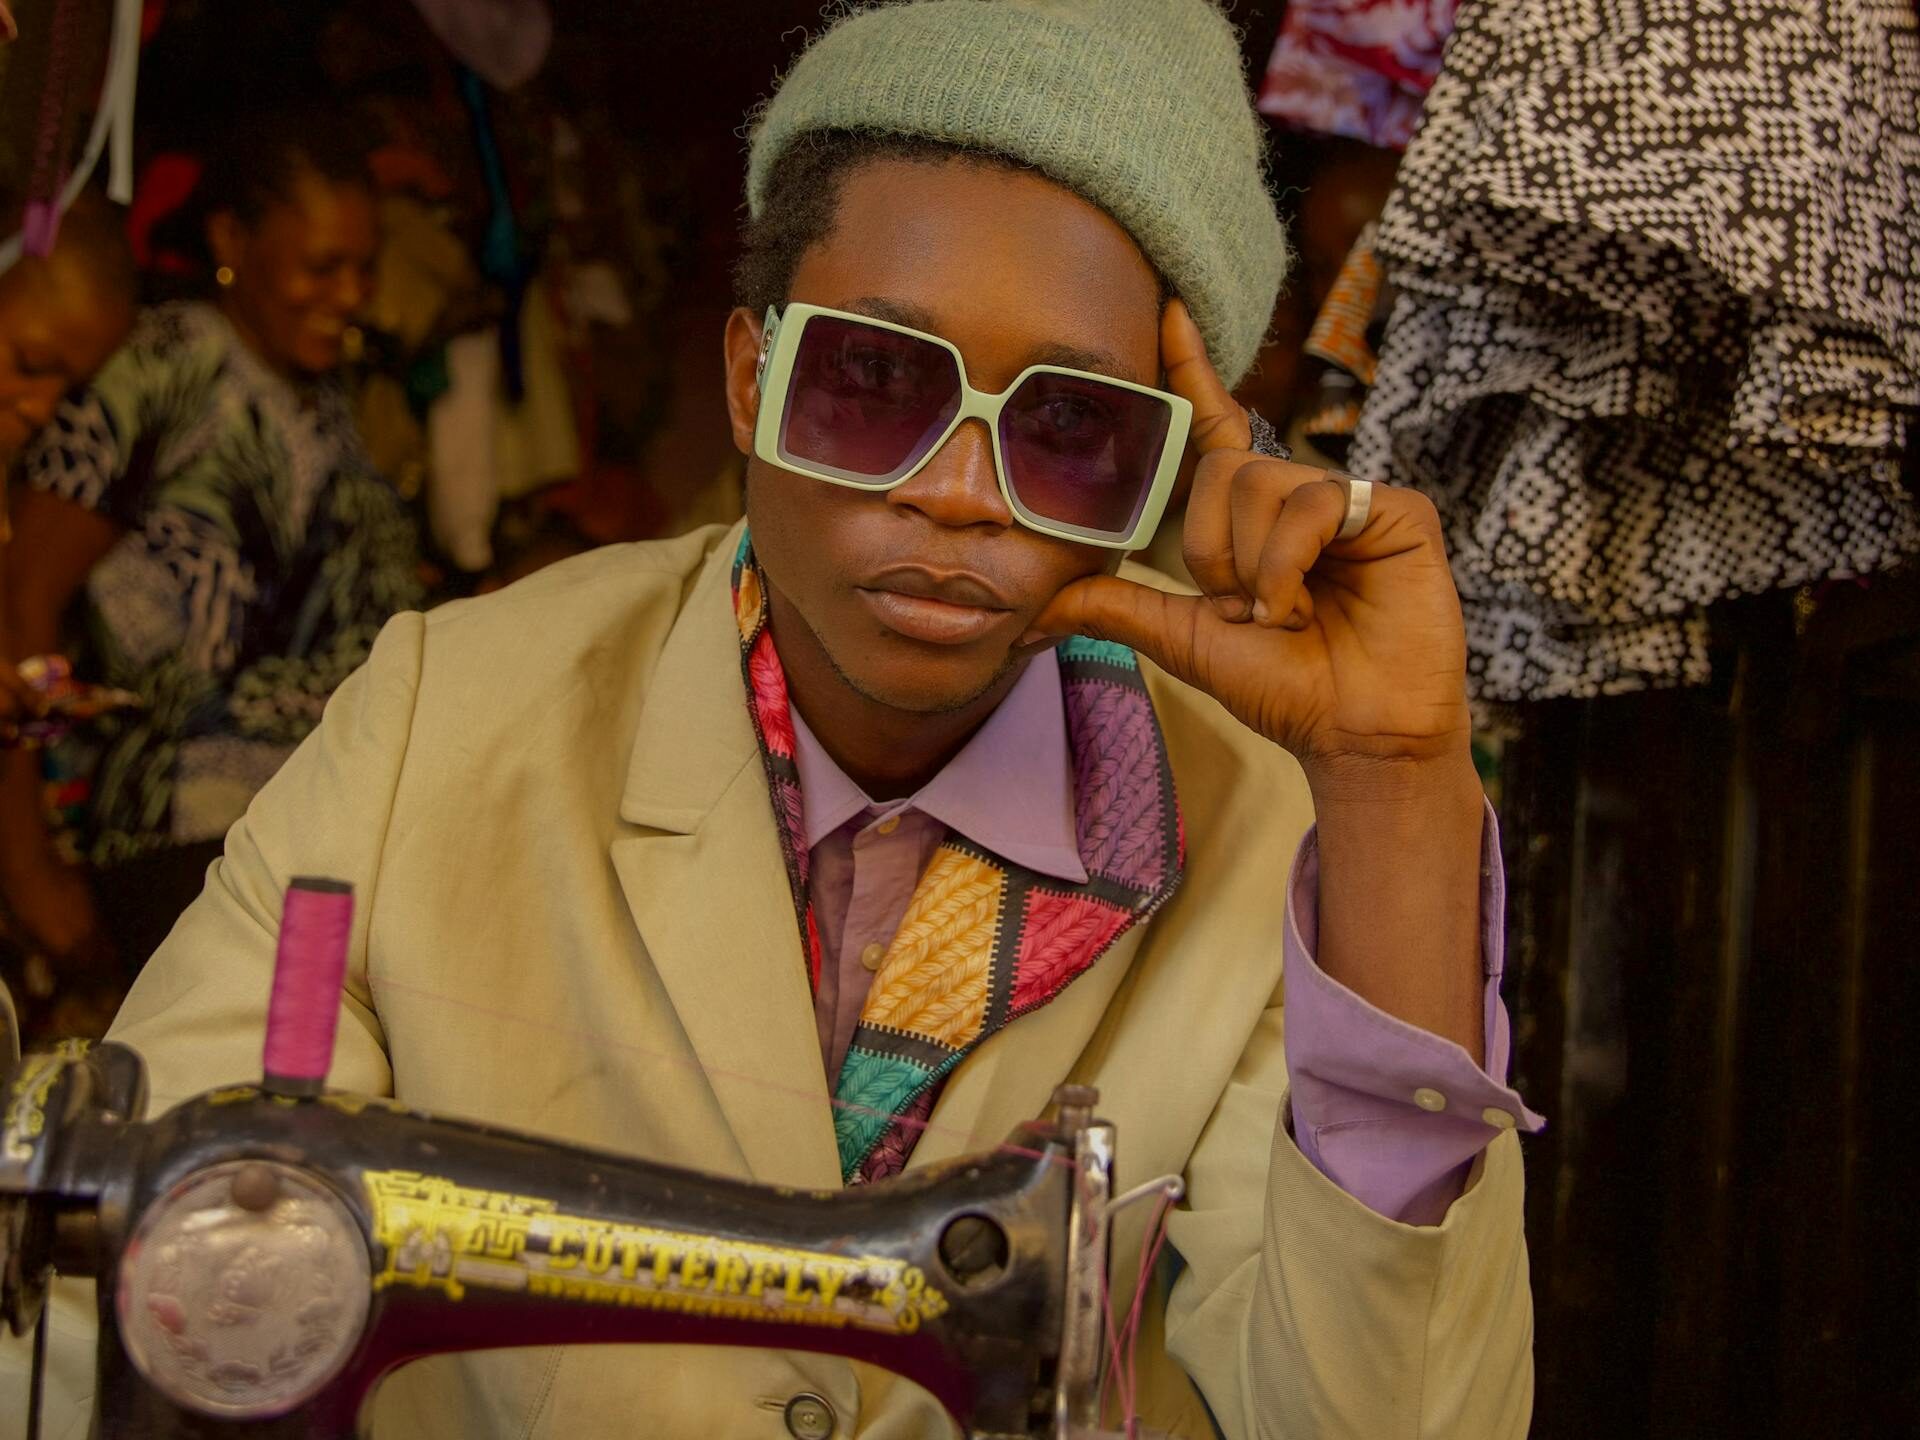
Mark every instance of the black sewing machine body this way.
pixel 263 1259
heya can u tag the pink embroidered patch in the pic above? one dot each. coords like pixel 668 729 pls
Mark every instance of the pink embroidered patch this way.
pixel 1060 936
pixel 770 696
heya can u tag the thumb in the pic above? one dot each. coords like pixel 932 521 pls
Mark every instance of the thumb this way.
pixel 1105 607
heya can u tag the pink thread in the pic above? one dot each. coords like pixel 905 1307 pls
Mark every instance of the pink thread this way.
pixel 1123 1370
pixel 315 923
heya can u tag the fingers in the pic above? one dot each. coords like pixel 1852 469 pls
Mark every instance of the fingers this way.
pixel 1306 524
pixel 1218 421
pixel 1236 501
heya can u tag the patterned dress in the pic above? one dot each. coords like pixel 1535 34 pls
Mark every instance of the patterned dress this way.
pixel 261 556
pixel 1658 266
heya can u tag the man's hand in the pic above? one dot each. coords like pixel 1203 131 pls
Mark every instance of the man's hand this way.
pixel 1351 654
pixel 1344 651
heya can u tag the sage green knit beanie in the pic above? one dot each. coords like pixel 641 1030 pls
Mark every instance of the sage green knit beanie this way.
pixel 1137 105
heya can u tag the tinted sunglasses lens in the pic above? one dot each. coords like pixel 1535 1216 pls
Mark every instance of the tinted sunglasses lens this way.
pixel 1081 452
pixel 865 403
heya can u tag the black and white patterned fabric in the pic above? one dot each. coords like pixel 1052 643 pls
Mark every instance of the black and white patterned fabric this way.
pixel 1657 340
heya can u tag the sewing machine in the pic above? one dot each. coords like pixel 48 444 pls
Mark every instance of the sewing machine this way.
pixel 265 1253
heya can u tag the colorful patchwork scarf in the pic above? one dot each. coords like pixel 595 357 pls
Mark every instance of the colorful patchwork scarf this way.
pixel 983 940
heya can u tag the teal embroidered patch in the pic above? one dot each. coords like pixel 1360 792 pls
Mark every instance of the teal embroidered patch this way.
pixel 872 1089
pixel 1106 652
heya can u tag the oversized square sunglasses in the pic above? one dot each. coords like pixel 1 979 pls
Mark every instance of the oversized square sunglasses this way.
pixel 865 403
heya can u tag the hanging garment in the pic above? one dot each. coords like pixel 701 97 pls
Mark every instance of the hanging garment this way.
pixel 506 41
pixel 422 269
pixel 485 447
pixel 1653 345
pixel 1343 338
pixel 1358 68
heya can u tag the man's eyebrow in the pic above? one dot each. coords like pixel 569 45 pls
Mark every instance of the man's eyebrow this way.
pixel 1071 357
pixel 895 312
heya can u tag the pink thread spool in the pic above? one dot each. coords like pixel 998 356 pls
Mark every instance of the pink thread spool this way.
pixel 316 923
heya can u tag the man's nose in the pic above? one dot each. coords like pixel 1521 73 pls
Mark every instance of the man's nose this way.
pixel 958 486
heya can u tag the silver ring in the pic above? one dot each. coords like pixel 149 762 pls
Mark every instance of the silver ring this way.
pixel 1359 503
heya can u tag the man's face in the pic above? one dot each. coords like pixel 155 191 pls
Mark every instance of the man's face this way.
pixel 917 594
pixel 57 326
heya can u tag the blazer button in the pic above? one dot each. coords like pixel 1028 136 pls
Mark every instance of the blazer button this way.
pixel 809 1417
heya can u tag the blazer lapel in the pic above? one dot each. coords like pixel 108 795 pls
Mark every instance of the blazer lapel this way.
pixel 1012 1075
pixel 702 872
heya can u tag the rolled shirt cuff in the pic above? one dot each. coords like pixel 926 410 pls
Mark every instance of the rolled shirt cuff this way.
pixel 1393 1114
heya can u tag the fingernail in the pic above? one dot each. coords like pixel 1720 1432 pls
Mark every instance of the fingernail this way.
pixel 1035 637
pixel 1231 607
pixel 1260 612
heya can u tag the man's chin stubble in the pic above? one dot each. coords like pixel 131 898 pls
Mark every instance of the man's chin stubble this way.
pixel 944 706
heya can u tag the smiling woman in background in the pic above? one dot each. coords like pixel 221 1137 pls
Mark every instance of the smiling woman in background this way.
pixel 209 495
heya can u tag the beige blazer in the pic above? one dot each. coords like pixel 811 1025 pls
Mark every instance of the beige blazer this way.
pixel 573 920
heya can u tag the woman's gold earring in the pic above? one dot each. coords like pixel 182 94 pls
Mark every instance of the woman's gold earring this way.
pixel 224 276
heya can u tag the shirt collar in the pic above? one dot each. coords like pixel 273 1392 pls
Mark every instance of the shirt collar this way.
pixel 1009 790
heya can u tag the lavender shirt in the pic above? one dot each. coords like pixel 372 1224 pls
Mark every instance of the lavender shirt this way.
pixel 1392 1114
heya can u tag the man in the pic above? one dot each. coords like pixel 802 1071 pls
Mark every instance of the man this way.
pixel 666 846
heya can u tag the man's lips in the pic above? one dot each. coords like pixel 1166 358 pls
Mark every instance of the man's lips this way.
pixel 938 607
pixel 956 587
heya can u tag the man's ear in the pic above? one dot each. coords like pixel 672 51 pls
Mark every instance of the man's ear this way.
pixel 743 380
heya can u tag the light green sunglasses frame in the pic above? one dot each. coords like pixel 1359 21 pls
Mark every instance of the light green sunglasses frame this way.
pixel 780 347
